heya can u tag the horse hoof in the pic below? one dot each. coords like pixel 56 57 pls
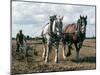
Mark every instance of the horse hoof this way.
pixel 64 57
pixel 77 59
pixel 46 61
pixel 56 61
pixel 43 57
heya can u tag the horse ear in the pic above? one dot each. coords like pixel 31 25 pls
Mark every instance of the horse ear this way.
pixel 86 17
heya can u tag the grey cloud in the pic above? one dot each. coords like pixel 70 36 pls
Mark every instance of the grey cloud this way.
pixel 28 13
pixel 31 17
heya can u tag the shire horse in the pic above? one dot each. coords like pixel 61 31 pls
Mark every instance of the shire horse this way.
pixel 74 34
pixel 52 39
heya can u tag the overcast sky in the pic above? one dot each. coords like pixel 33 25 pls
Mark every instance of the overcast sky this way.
pixel 32 17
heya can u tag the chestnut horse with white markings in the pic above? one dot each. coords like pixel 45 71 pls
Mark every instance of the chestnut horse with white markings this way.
pixel 74 34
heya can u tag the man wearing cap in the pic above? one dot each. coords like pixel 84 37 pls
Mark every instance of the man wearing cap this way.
pixel 20 38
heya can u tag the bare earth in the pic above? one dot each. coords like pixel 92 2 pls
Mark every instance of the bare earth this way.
pixel 34 63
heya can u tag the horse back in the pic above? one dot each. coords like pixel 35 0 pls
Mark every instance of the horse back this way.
pixel 70 28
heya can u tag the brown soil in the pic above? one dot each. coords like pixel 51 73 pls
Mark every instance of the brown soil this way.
pixel 34 62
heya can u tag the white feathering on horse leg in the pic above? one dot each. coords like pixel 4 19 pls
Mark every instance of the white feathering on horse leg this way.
pixel 47 54
pixel 43 55
pixel 64 54
pixel 44 51
pixel 56 55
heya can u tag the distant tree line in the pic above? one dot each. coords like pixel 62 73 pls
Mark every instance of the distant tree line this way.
pixel 93 37
pixel 38 38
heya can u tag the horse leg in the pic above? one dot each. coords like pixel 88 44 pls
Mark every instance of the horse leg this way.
pixel 69 51
pixel 64 51
pixel 77 51
pixel 56 54
pixel 80 44
pixel 17 48
pixel 44 51
pixel 47 53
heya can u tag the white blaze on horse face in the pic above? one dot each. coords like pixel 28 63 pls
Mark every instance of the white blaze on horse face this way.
pixel 83 26
pixel 83 29
pixel 54 27
pixel 57 26
pixel 57 31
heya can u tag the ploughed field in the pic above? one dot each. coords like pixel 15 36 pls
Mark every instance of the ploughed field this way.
pixel 34 63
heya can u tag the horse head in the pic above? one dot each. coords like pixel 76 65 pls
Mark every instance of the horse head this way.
pixel 57 25
pixel 82 22
pixel 52 18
